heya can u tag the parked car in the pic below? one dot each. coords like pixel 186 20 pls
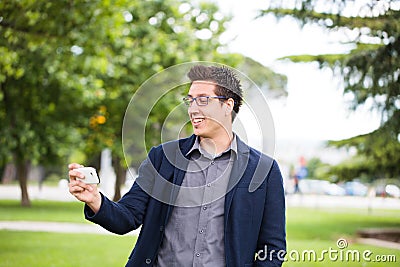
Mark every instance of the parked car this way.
pixel 320 187
pixel 392 190
pixel 387 190
pixel 355 188
pixel 334 190
pixel 312 186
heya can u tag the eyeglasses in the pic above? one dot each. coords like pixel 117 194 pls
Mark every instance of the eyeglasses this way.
pixel 200 100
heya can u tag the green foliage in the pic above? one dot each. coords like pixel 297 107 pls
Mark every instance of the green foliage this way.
pixel 68 70
pixel 378 157
pixel 161 117
pixel 318 170
pixel 358 167
pixel 152 37
pixel 43 83
pixel 75 65
pixel 370 71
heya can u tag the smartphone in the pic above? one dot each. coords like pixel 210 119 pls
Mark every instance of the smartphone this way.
pixel 90 173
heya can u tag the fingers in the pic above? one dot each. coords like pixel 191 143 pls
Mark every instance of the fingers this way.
pixel 74 166
pixel 73 174
pixel 75 189
pixel 82 191
pixel 77 186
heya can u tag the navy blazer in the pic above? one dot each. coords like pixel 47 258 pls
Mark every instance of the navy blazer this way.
pixel 254 208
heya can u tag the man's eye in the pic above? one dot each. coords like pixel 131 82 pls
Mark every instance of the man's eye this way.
pixel 203 100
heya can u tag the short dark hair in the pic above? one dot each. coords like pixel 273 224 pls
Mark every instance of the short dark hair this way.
pixel 227 83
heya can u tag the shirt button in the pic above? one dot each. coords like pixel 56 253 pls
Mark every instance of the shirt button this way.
pixel 197 254
pixel 205 207
pixel 148 261
pixel 208 185
pixel 212 162
pixel 201 231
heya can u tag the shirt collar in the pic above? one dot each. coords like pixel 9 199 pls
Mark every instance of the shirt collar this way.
pixel 196 146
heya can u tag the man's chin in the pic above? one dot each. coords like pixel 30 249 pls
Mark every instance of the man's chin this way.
pixel 199 132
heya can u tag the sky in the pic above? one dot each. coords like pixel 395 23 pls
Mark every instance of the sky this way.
pixel 315 108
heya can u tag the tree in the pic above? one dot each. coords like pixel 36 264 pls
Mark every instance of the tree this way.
pixel 163 34
pixel 153 36
pixel 69 68
pixel 45 90
pixel 370 70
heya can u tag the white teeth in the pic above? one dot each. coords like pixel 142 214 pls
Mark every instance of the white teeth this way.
pixel 197 120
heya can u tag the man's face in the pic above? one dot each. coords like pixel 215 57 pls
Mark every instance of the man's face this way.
pixel 212 119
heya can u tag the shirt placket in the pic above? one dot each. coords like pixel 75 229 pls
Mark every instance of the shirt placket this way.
pixel 200 245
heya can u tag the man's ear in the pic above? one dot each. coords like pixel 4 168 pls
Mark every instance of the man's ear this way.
pixel 230 103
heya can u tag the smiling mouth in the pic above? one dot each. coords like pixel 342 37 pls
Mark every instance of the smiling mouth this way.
pixel 197 121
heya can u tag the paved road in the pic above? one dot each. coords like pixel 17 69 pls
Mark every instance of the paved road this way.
pixel 60 193
pixel 324 201
pixel 56 227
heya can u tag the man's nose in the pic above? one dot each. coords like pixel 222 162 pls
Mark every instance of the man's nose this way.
pixel 193 107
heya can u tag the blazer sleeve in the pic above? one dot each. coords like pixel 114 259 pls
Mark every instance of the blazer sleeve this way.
pixel 271 245
pixel 128 213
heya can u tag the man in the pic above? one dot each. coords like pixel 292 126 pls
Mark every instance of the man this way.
pixel 219 203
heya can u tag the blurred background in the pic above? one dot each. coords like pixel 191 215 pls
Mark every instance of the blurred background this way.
pixel 329 71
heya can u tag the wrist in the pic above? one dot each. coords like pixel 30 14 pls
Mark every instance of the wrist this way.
pixel 95 204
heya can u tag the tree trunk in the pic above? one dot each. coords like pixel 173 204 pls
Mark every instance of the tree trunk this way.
pixel 9 173
pixel 22 176
pixel 120 175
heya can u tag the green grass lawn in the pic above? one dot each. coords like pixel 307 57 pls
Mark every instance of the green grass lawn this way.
pixel 41 210
pixel 326 224
pixel 307 229
pixel 35 249
pixel 320 229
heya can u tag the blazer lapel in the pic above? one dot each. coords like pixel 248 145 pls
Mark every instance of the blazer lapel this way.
pixel 180 162
pixel 238 169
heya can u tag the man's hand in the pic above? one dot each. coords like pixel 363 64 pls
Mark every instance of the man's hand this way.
pixel 88 193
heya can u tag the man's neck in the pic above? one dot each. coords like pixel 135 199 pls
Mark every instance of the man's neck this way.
pixel 217 144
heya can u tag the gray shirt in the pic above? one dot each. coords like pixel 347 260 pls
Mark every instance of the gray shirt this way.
pixel 194 235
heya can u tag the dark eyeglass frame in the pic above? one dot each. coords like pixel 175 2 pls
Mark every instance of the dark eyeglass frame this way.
pixel 189 100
